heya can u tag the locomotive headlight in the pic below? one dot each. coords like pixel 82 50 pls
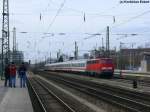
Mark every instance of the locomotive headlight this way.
pixel 103 68
pixel 109 68
pixel 106 68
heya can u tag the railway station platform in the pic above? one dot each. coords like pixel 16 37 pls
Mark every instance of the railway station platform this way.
pixel 14 99
pixel 132 74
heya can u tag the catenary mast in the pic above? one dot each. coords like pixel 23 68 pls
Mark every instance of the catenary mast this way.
pixel 5 34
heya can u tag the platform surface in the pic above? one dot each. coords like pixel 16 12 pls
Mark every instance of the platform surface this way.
pixel 14 99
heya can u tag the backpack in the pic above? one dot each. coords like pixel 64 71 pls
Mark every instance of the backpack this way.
pixel 22 70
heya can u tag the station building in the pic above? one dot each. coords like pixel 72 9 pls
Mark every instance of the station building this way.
pixel 131 58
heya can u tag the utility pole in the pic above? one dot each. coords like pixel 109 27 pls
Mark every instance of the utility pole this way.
pixel 102 43
pixel 58 54
pixel 117 59
pixel 76 51
pixel 5 35
pixel 50 57
pixel 130 58
pixel 107 42
pixel 103 50
pixel 45 59
pixel 133 55
pixel 121 56
pixel 14 54
pixel 14 39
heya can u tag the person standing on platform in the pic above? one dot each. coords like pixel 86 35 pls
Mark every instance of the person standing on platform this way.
pixel 12 70
pixel 22 74
pixel 7 76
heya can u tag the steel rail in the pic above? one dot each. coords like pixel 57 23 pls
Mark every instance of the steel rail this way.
pixel 136 95
pixel 51 93
pixel 138 105
pixel 40 106
pixel 124 91
pixel 55 96
pixel 144 98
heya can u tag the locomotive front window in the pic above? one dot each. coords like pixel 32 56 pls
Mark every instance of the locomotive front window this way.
pixel 90 62
pixel 93 62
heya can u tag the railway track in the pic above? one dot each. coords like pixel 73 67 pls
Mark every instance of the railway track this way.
pixel 129 100
pixel 143 83
pixel 47 100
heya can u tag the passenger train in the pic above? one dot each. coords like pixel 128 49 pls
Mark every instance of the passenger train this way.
pixel 94 67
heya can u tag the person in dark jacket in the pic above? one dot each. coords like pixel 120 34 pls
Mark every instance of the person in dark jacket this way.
pixel 22 74
pixel 7 76
pixel 12 69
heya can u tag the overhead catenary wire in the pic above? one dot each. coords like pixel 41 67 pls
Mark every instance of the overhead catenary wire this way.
pixel 132 18
pixel 124 22
pixel 88 13
pixel 50 1
pixel 41 14
pixel 57 13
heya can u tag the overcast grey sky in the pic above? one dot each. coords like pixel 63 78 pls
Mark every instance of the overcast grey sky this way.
pixel 25 16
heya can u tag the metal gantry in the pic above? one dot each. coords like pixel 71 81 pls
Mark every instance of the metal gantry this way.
pixel 5 35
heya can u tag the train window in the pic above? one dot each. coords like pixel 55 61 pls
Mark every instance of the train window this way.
pixel 80 64
pixel 93 62
pixel 97 61
pixel 83 64
pixel 89 62
pixel 73 65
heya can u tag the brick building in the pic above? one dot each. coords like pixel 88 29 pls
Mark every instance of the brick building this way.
pixel 130 58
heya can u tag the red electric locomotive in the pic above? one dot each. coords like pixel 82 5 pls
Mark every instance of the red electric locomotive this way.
pixel 93 67
pixel 102 67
